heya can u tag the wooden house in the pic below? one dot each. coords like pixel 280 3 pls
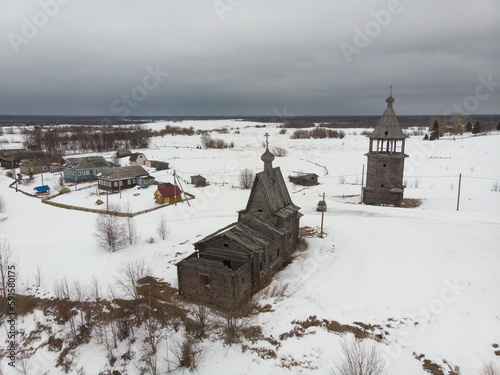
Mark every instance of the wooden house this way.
pixel 198 180
pixel 138 158
pixel 10 159
pixel 85 168
pixel 35 166
pixel 114 179
pixel 168 193
pixel 231 264
pixel 306 179
pixel 386 157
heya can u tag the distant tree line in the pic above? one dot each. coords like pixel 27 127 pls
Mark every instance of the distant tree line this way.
pixel 80 139
pixel 317 133
pixel 439 126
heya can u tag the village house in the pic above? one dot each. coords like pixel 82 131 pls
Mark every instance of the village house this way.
pixel 138 158
pixel 114 179
pixel 386 158
pixel 85 168
pixel 35 166
pixel 11 159
pixel 306 179
pixel 167 193
pixel 234 262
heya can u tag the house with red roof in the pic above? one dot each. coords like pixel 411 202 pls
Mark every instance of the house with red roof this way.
pixel 167 193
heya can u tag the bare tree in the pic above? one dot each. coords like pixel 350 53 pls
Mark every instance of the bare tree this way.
pixel 8 262
pixel 38 276
pixel 162 228
pixel 2 204
pixel 489 369
pixel 199 308
pixel 458 120
pixel 131 229
pixel 130 273
pixel 246 178
pixel 186 353
pixel 358 357
pixel 111 231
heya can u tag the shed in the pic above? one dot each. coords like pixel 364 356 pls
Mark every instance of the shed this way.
pixel 198 180
pixel 42 190
pixel 306 179
pixel 157 164
pixel 168 193
pixel 123 153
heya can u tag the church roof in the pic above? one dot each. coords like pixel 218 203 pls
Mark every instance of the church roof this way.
pixel 388 126
pixel 253 233
pixel 274 188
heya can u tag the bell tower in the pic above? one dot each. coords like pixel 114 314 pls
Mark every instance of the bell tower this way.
pixel 386 157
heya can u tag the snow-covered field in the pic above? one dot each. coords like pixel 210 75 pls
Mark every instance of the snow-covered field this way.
pixel 386 266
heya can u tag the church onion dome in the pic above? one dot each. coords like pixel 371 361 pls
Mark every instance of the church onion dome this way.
pixel 388 125
pixel 267 156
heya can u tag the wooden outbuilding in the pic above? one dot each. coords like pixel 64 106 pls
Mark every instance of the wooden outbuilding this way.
pixel 158 165
pixel 386 157
pixel 168 193
pixel 306 179
pixel 123 153
pixel 198 180
pixel 229 265
pixel 42 190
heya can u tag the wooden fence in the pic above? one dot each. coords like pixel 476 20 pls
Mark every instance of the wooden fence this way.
pixel 114 213
pixel 48 201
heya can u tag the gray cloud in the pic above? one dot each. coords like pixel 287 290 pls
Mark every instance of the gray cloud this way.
pixel 254 57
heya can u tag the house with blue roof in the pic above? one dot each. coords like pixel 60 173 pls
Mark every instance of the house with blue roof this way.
pixel 85 168
pixel 42 190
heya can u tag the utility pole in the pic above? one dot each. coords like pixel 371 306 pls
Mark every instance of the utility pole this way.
pixel 459 184
pixel 362 182
pixel 322 215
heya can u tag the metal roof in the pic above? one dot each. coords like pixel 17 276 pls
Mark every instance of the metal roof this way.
pixel 87 162
pixel 40 189
pixel 168 190
pixel 123 173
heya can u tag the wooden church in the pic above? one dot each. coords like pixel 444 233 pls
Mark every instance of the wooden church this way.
pixel 229 265
pixel 386 157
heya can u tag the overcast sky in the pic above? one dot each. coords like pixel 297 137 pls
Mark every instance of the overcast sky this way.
pixel 248 57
